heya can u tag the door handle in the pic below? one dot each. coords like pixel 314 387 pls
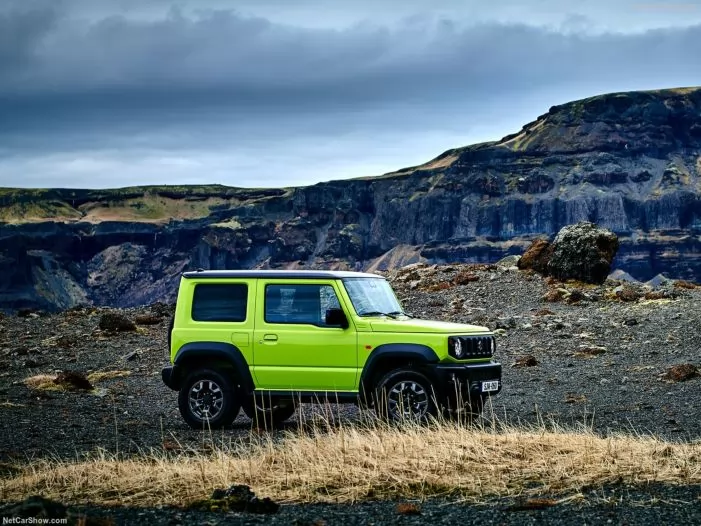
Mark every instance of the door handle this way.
pixel 267 338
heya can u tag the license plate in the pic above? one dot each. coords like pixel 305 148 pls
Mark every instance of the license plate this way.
pixel 488 387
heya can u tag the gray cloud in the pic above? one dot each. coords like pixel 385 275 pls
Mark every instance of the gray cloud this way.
pixel 86 89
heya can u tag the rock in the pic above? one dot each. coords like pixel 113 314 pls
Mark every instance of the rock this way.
pixel 536 257
pixel 659 281
pixel 27 313
pixel 681 373
pixel 583 252
pixel 73 381
pixel 36 507
pixel 463 278
pixel 590 351
pixel 525 361
pixel 237 498
pixel 505 323
pixel 573 398
pixel 627 293
pixel 575 296
pixel 553 295
pixel 629 322
pixel 147 319
pixel 131 356
pixel 408 508
pixel 657 295
pixel 114 322
pixel 682 284
pixel 508 262
pixel 621 275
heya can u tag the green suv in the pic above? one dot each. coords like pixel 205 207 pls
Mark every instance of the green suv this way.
pixel 263 340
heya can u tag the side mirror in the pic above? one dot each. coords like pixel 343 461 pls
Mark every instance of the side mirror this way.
pixel 336 317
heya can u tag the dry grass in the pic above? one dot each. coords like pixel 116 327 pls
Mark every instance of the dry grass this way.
pixel 47 382
pixel 43 382
pixel 348 464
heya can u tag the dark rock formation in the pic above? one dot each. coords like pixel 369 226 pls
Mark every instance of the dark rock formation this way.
pixel 583 252
pixel 629 162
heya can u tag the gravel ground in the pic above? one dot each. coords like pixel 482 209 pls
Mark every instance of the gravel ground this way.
pixel 599 362
pixel 653 504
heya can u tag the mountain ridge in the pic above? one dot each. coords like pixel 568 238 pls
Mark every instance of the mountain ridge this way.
pixel 629 161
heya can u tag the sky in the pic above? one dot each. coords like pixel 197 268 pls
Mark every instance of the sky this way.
pixel 270 93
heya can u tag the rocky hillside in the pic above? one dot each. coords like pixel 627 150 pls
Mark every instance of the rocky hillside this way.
pixel 630 162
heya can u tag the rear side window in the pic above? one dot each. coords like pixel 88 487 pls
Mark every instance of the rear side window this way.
pixel 220 302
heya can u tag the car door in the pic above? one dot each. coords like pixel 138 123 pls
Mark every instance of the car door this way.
pixel 294 349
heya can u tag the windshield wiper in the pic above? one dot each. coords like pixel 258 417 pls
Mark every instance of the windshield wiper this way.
pixel 373 313
pixel 392 314
pixel 399 313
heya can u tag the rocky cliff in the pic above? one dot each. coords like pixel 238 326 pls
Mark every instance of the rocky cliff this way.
pixel 630 162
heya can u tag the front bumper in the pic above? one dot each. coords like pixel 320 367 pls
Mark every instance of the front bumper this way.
pixel 466 380
pixel 171 377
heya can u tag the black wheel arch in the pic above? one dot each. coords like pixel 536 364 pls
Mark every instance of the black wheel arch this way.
pixel 197 354
pixel 393 356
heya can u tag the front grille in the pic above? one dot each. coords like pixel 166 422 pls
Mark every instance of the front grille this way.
pixel 477 346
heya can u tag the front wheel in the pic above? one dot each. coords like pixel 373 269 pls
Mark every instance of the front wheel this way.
pixel 208 399
pixel 268 412
pixel 405 395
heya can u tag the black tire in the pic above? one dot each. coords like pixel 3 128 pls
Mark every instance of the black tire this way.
pixel 208 399
pixel 267 412
pixel 405 395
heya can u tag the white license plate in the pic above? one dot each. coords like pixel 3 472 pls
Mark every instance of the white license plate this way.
pixel 488 387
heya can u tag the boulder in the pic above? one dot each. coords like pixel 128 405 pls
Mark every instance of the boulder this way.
pixel 114 322
pixel 583 252
pixel 536 257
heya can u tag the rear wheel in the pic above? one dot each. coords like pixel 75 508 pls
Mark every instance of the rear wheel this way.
pixel 208 399
pixel 405 395
pixel 268 412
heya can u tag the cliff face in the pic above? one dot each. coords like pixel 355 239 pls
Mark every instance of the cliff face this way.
pixel 630 162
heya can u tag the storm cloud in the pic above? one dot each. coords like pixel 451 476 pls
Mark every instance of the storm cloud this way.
pixel 100 96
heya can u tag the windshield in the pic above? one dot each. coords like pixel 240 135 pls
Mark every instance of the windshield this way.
pixel 372 296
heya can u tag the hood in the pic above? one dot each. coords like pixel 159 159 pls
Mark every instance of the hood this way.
pixel 425 326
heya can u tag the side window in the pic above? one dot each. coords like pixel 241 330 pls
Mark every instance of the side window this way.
pixel 220 302
pixel 299 303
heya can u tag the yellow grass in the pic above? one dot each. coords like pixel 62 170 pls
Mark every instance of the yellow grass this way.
pixel 349 464
pixel 46 382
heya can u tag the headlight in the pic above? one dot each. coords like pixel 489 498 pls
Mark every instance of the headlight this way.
pixel 455 347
